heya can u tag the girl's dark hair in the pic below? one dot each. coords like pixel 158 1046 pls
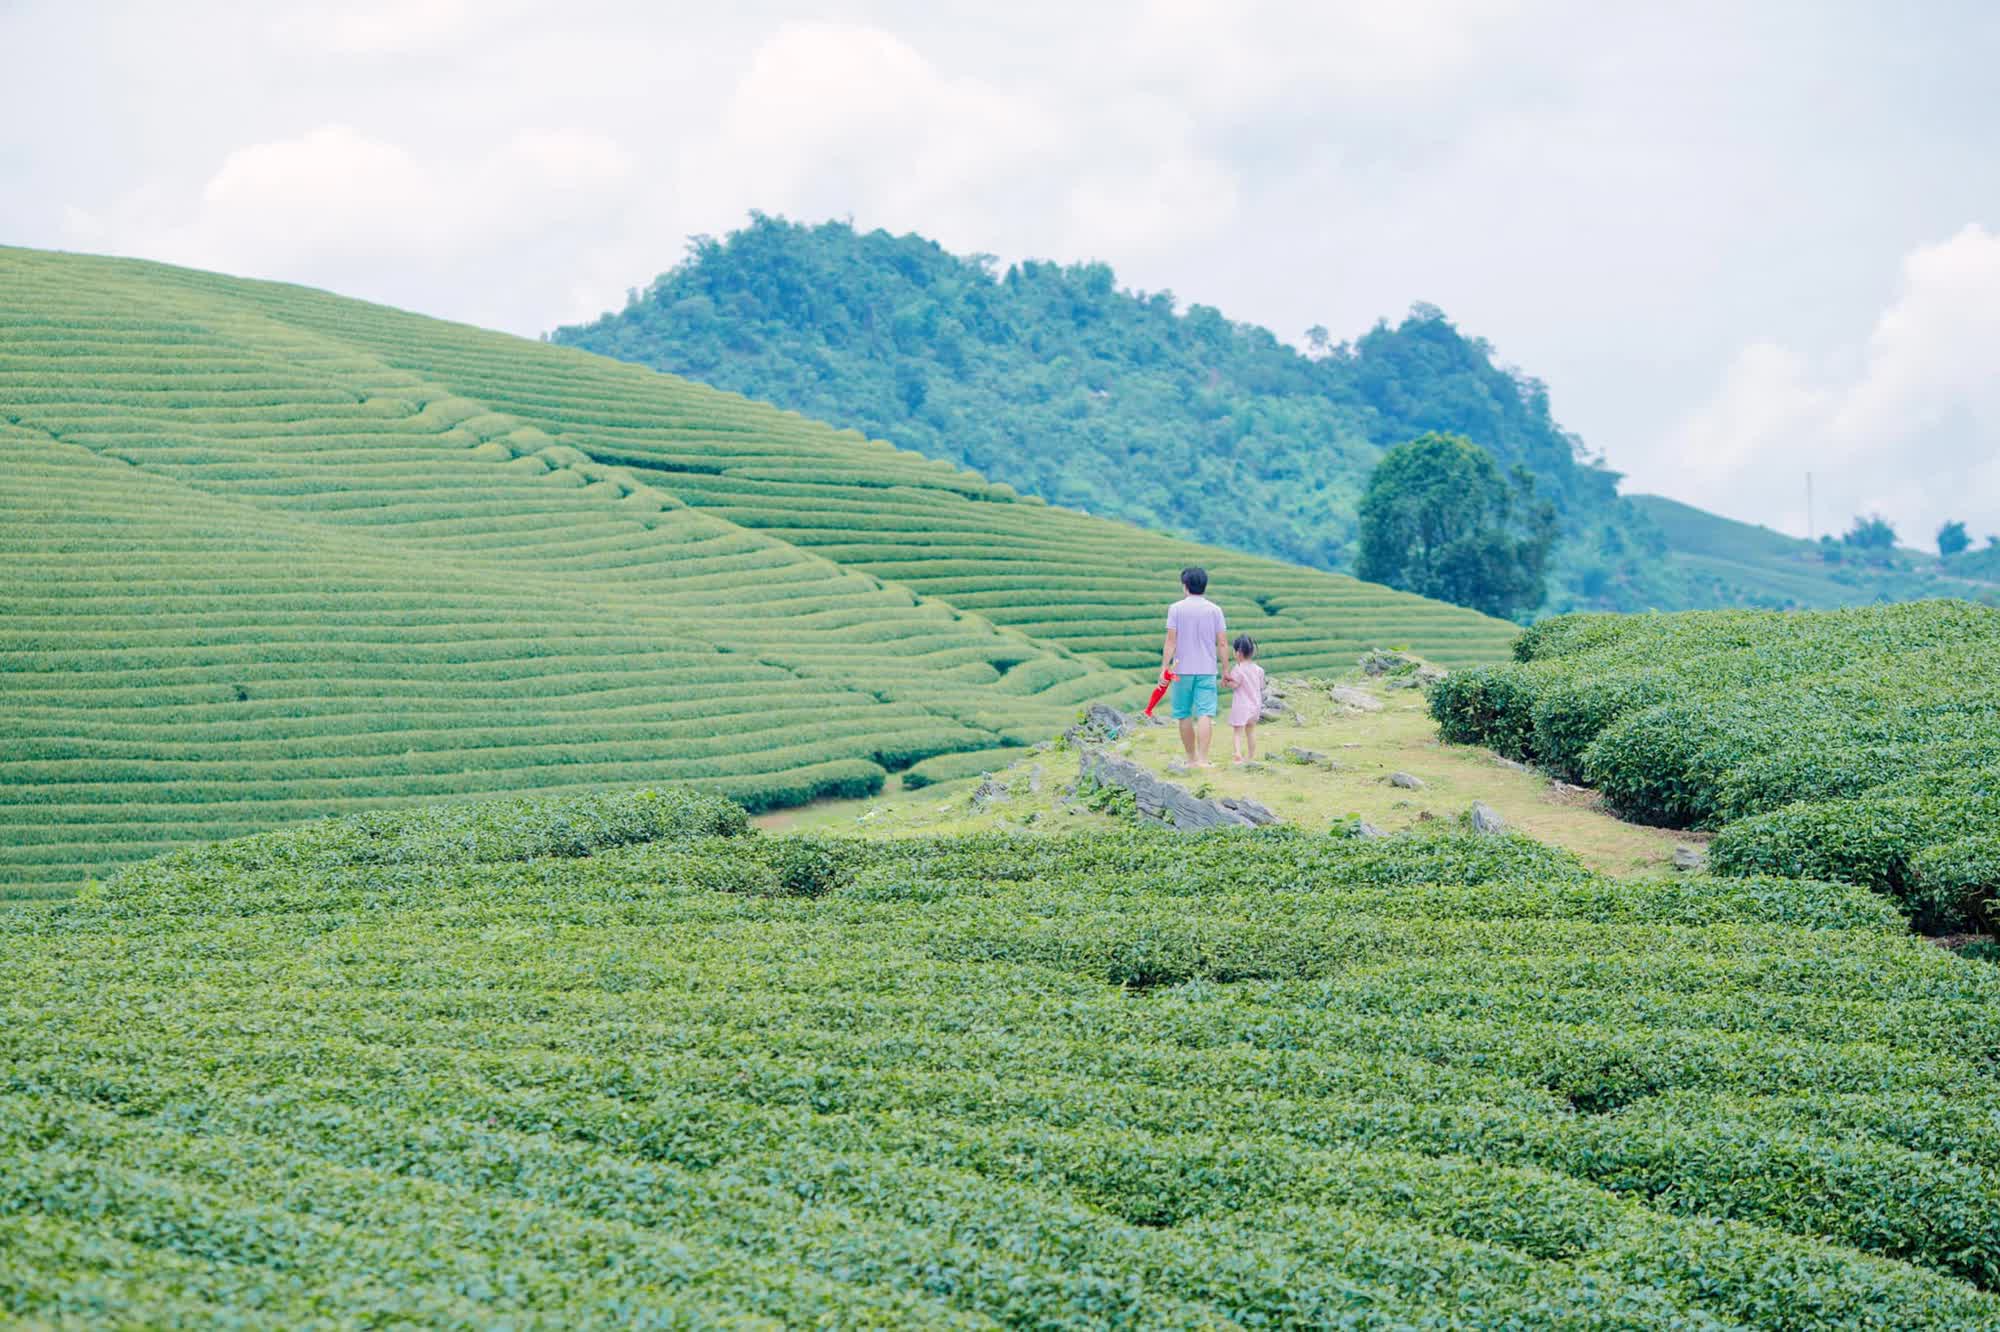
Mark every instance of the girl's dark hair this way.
pixel 1245 645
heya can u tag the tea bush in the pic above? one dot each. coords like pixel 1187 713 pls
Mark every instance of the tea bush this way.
pixel 1838 744
pixel 812 867
pixel 951 767
pixel 1250 1079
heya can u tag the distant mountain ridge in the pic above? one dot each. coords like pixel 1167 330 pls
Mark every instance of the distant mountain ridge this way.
pixel 1052 379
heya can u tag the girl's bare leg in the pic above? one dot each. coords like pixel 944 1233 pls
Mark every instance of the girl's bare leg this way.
pixel 1249 733
pixel 1239 742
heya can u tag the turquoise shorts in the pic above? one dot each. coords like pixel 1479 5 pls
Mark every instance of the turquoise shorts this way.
pixel 1192 696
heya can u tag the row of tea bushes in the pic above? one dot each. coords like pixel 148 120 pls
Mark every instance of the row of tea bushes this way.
pixel 450 1071
pixel 1856 744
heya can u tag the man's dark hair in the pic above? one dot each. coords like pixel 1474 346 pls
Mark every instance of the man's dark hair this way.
pixel 1195 579
pixel 1245 645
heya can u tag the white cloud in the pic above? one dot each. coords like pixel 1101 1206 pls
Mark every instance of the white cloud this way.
pixel 835 118
pixel 378 27
pixel 1236 51
pixel 1145 208
pixel 367 216
pixel 331 191
pixel 847 119
pixel 1912 430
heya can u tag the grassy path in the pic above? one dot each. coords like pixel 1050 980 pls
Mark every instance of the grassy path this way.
pixel 1365 747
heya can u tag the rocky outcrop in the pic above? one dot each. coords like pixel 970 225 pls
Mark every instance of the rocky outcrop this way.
pixel 1360 700
pixel 1164 802
pixel 988 793
pixel 1101 722
pixel 1379 662
pixel 1407 781
pixel 1484 818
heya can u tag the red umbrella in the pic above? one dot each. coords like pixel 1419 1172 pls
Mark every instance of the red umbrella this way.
pixel 1159 691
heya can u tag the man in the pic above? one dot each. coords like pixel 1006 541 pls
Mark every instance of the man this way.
pixel 1197 645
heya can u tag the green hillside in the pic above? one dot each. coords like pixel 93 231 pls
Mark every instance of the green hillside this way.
pixel 1983 563
pixel 266 553
pixel 1727 563
pixel 623 1064
pixel 1052 379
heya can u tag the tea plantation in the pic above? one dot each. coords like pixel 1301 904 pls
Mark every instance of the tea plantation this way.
pixel 615 1061
pixel 267 554
pixel 1861 745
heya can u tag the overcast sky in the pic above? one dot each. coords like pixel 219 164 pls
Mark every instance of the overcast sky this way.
pixel 1738 240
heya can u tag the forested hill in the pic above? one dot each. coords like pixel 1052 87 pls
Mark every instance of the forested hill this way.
pixel 1053 379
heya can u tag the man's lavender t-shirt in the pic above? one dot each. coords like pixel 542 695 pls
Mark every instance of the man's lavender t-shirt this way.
pixel 1199 622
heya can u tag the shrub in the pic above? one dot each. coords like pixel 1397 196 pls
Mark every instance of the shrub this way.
pixel 811 867
pixel 472 832
pixel 1875 841
pixel 1962 876
pixel 952 767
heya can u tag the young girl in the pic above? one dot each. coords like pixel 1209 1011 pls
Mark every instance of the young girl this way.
pixel 1247 679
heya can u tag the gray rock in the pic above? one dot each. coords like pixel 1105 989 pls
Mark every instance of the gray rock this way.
pixel 1363 828
pixel 1312 758
pixel 989 793
pixel 1109 718
pixel 1035 780
pixel 1430 675
pixel 1256 814
pixel 1164 802
pixel 1691 859
pixel 1402 682
pixel 1484 818
pixel 1406 780
pixel 1100 722
pixel 1274 713
pixel 1358 699
pixel 1379 662
pixel 1511 765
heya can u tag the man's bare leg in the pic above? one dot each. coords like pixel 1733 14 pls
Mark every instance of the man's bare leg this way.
pixel 1187 737
pixel 1204 731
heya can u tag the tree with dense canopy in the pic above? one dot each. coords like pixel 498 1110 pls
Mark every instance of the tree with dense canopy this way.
pixel 1952 539
pixel 1440 520
pixel 1872 532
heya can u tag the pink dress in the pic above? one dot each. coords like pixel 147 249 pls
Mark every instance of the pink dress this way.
pixel 1249 700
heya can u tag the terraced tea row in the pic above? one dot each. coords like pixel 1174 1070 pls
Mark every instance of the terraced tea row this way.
pixel 592 1064
pixel 1861 745
pixel 269 553
pixel 1089 584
